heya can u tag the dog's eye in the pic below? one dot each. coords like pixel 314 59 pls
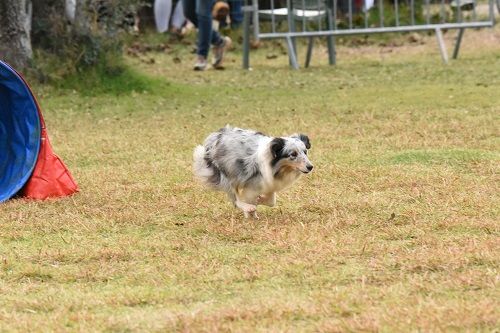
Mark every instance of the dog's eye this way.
pixel 294 154
pixel 305 152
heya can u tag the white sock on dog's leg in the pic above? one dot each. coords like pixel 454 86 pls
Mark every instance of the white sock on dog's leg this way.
pixel 246 208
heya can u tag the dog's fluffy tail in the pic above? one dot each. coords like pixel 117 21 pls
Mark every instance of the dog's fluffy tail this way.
pixel 204 169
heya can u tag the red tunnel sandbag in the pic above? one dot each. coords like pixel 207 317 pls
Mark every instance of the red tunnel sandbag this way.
pixel 50 178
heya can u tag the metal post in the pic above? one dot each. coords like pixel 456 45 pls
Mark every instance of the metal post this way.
pixel 442 12
pixel 303 15
pixel 365 12
pixel 246 35
pixel 273 19
pixel 427 12
pixel 457 44
pixel 291 53
pixel 491 11
pixel 459 11
pixel 291 23
pixel 412 12
pixel 309 51
pixel 334 14
pixel 330 39
pixel 349 9
pixel 319 16
pixel 442 47
pixel 332 54
pixel 381 12
pixel 396 10
pixel 255 20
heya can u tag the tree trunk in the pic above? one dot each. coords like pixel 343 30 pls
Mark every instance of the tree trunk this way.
pixel 15 25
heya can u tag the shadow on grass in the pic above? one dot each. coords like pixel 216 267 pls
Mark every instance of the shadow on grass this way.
pixel 453 157
pixel 119 80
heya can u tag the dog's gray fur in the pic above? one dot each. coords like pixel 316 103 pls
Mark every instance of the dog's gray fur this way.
pixel 250 166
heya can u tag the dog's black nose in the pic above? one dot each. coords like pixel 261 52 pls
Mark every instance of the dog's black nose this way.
pixel 310 167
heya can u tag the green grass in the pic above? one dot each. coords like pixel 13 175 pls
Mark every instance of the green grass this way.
pixel 116 81
pixel 451 157
pixel 396 230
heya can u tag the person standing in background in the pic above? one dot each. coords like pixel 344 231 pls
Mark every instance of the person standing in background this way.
pixel 199 12
pixel 164 16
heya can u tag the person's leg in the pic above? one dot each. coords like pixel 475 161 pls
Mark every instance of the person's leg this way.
pixel 206 35
pixel 178 18
pixel 221 44
pixel 189 7
pixel 236 13
pixel 162 10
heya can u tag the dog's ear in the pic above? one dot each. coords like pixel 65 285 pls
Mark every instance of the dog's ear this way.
pixel 277 145
pixel 304 138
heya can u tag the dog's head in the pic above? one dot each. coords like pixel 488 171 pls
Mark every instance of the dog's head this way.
pixel 291 153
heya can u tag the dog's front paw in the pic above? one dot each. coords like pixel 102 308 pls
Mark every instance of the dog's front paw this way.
pixel 252 214
pixel 248 209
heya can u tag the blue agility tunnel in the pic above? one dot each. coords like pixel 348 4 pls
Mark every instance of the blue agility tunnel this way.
pixel 20 132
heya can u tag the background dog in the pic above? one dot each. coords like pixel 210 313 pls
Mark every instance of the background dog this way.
pixel 250 166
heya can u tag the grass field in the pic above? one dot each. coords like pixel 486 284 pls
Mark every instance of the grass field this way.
pixel 396 230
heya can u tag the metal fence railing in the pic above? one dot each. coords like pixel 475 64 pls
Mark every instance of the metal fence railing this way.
pixel 292 19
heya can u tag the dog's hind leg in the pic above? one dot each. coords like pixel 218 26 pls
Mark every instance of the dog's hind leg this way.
pixel 268 199
pixel 232 197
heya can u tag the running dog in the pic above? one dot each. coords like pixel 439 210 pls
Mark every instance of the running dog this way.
pixel 250 166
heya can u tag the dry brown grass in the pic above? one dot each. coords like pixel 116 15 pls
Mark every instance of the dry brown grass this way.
pixel 396 230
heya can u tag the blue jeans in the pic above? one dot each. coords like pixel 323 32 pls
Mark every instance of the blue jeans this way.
pixel 236 13
pixel 200 13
